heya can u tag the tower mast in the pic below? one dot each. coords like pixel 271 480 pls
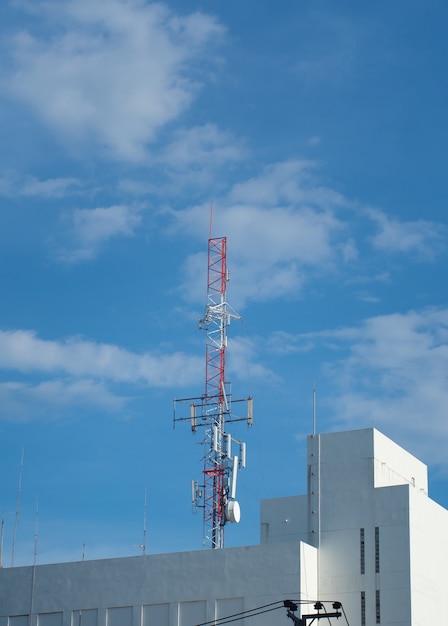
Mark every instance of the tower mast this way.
pixel 213 410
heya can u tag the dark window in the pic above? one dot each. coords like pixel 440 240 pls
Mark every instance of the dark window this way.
pixel 377 607
pixel 377 549
pixel 362 551
pixel 363 608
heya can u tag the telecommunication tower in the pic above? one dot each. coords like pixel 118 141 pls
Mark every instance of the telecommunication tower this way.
pixel 212 411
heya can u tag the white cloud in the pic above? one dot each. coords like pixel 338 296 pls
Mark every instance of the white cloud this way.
pixel 202 146
pixel 13 184
pixel 286 229
pixel 109 71
pixel 275 250
pixel 281 342
pixel 281 235
pixel 281 226
pixel 192 161
pixel 49 188
pixel 44 379
pixel 23 351
pixel 52 398
pixel 366 297
pixel 93 227
pixel 286 182
pixel 243 361
pixel 393 373
pixel 422 237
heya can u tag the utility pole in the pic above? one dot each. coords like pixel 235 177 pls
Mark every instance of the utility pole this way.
pixel 291 608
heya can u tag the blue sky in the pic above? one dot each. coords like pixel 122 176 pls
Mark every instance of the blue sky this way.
pixel 319 131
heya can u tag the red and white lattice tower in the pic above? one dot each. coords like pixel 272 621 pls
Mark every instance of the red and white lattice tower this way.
pixel 213 411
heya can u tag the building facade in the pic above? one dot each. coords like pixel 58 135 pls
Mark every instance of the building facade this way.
pixel 365 534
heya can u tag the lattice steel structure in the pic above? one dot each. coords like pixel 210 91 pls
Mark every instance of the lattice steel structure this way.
pixel 213 410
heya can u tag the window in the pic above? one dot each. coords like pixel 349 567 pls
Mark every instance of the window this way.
pixel 363 608
pixel 362 551
pixel 119 616
pixel 156 614
pixel 377 607
pixel 85 617
pixel 377 549
pixel 191 613
pixel 49 619
pixel 19 620
pixel 229 606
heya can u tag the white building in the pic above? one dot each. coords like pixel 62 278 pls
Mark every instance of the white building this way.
pixel 365 534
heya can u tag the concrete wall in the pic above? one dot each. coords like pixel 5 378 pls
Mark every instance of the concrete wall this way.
pixel 395 466
pixel 429 559
pixel 284 519
pixel 181 589
pixel 364 488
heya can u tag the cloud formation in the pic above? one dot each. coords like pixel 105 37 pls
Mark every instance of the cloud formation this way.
pixel 286 228
pixel 201 147
pixel 112 73
pixel 14 184
pixel 282 226
pixel 49 399
pixel 390 371
pixel 47 378
pixel 44 379
pixel 90 228
pixel 23 351
pixel 422 237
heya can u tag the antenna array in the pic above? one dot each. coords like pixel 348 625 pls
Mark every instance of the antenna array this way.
pixel 213 410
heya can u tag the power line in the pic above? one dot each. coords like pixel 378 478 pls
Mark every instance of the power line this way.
pixel 243 614
pixel 291 607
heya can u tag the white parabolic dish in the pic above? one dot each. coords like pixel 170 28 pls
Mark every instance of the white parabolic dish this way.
pixel 233 513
